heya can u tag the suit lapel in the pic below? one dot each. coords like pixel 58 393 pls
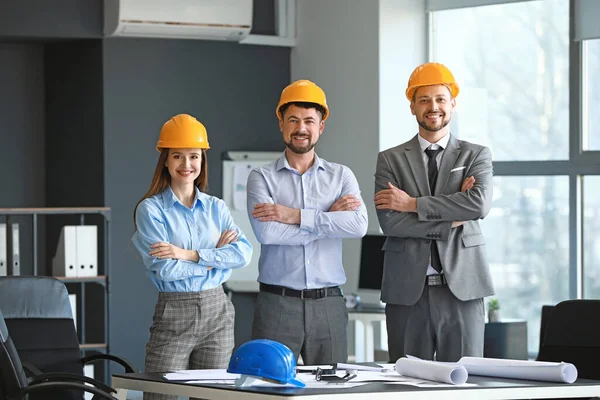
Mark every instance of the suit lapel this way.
pixel 449 157
pixel 415 160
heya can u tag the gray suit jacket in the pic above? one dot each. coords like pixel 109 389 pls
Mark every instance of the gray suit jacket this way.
pixel 462 249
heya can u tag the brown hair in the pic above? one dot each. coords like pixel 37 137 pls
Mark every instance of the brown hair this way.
pixel 161 179
pixel 303 104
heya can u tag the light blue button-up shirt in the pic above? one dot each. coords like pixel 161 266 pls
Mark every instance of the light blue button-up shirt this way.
pixel 163 218
pixel 309 255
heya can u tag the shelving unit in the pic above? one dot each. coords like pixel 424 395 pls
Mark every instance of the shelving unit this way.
pixel 103 267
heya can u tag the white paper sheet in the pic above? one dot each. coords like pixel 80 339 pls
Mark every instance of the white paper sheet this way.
pixel 520 369
pixel 452 373
pixel 201 374
pixel 240 178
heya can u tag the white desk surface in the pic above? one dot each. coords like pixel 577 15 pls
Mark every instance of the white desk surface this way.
pixel 488 388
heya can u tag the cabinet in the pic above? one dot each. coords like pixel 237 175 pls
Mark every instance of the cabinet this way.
pixel 78 285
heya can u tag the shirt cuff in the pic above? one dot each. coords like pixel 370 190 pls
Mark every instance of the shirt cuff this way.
pixel 207 257
pixel 307 219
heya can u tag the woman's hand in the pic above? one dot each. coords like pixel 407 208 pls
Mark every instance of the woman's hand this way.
pixel 164 250
pixel 227 237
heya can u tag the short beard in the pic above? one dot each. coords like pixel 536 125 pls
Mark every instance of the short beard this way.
pixel 423 125
pixel 299 150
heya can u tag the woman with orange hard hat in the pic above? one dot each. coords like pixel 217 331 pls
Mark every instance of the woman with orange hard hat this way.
pixel 189 244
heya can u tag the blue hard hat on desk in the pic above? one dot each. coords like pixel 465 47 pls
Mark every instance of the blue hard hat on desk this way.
pixel 265 359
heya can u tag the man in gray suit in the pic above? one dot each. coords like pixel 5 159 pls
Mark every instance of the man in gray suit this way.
pixel 430 193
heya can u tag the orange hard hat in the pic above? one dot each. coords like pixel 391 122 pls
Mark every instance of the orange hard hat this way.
pixel 182 132
pixel 303 91
pixel 430 74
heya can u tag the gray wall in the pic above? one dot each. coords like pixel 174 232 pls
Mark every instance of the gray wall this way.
pixel 22 157
pixel 233 89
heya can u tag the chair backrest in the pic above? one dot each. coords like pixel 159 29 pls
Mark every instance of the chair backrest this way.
pixel 38 315
pixel 12 377
pixel 572 336
pixel 546 312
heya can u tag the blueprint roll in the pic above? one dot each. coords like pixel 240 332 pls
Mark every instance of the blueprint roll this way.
pixel 521 369
pixel 432 370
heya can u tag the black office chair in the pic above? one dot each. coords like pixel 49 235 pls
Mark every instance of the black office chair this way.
pixel 38 317
pixel 571 335
pixel 14 383
pixel 546 312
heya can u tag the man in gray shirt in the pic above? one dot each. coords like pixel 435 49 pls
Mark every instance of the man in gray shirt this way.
pixel 301 207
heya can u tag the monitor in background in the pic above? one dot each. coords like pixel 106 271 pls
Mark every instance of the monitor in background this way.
pixel 371 269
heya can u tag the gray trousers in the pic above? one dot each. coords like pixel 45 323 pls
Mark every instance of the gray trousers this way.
pixel 438 323
pixel 313 328
pixel 190 331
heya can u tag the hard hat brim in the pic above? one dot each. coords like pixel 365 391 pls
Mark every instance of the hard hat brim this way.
pixel 297 382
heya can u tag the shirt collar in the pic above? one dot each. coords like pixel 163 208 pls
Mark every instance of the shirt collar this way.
pixel 169 198
pixel 443 142
pixel 282 163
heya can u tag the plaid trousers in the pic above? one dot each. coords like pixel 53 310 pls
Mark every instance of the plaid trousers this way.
pixel 190 331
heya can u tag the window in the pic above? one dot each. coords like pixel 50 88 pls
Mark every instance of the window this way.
pixel 530 268
pixel 591 238
pixel 512 64
pixel 591 95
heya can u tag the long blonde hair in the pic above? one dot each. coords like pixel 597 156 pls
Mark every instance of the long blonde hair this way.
pixel 162 179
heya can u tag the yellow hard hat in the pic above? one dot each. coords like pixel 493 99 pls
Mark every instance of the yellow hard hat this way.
pixel 182 132
pixel 303 91
pixel 430 74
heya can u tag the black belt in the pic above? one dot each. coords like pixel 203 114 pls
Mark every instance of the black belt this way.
pixel 436 280
pixel 303 294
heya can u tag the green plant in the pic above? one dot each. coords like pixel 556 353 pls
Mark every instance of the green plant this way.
pixel 493 304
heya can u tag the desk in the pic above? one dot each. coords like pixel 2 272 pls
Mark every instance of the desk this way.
pixel 364 317
pixel 488 388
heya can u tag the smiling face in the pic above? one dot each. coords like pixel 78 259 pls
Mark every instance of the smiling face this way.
pixel 184 165
pixel 301 128
pixel 433 107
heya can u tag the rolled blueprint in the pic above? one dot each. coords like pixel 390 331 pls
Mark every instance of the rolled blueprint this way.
pixel 520 369
pixel 452 373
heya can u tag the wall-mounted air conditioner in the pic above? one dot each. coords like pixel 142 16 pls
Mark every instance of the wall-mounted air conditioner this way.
pixel 179 19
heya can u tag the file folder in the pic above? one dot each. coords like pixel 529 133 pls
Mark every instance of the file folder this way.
pixel 3 258
pixel 77 252
pixel 64 262
pixel 87 250
pixel 12 253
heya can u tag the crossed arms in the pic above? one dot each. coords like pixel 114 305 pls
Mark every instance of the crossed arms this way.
pixel 277 224
pixel 402 215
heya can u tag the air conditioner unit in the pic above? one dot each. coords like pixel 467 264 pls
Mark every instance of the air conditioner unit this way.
pixel 179 19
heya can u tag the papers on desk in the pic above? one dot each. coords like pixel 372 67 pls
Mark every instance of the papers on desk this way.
pixel 201 375
pixel 520 369
pixel 452 373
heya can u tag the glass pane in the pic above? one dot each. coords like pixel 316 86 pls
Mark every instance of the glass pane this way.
pixel 591 239
pixel 591 88
pixel 511 62
pixel 528 246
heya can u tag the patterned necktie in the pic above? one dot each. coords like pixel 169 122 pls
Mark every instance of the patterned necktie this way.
pixel 432 173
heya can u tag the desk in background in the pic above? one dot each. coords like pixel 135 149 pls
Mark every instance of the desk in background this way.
pixel 506 339
pixel 364 339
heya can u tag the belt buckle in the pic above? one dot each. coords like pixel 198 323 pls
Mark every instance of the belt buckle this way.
pixel 322 292
pixel 302 294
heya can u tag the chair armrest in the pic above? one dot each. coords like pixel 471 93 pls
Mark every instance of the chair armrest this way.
pixel 32 369
pixel 65 376
pixel 100 356
pixel 65 385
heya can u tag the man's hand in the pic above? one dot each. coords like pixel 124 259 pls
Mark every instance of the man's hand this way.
pixel 345 203
pixel 275 212
pixel 395 199
pixel 467 184
pixel 164 250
